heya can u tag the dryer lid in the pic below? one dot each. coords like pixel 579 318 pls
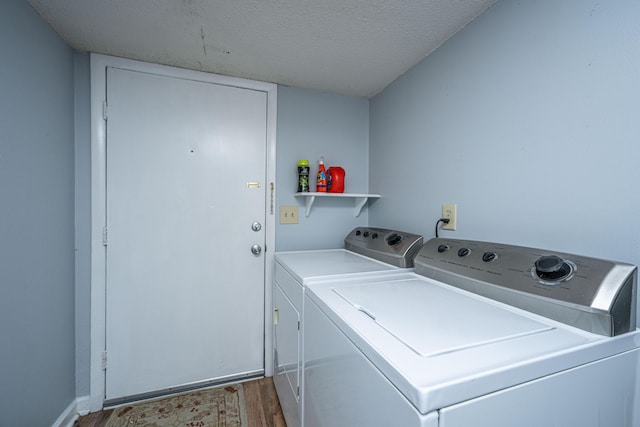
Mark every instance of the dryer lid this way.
pixel 306 265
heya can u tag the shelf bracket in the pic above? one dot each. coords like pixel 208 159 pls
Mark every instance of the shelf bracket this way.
pixel 307 204
pixel 359 204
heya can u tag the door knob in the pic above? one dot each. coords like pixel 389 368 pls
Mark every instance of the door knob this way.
pixel 256 249
pixel 256 226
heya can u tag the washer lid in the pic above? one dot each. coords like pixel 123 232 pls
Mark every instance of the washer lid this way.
pixel 407 309
pixel 440 345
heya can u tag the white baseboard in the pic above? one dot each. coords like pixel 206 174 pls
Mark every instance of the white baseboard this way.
pixel 83 405
pixel 80 406
pixel 67 418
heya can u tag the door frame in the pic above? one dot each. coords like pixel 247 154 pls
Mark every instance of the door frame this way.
pixel 99 64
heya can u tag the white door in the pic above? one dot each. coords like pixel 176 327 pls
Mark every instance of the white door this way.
pixel 186 167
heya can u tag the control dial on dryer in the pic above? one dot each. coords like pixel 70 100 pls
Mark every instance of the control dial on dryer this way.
pixel 551 269
pixel 462 252
pixel 443 248
pixel 489 256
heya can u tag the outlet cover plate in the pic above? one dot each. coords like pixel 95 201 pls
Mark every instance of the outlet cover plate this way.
pixel 449 211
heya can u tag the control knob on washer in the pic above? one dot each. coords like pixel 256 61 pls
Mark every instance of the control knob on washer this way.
pixel 394 239
pixel 552 267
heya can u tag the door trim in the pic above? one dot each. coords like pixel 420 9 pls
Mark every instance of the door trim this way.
pixel 99 64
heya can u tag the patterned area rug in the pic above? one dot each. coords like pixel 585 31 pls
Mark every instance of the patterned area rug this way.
pixel 215 407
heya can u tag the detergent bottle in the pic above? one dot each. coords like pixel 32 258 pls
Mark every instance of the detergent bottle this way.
pixel 303 176
pixel 336 180
pixel 321 183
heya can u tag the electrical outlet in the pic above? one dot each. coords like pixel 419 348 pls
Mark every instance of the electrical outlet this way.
pixel 288 214
pixel 449 211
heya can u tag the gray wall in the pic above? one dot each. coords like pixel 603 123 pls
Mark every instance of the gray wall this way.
pixel 36 220
pixel 528 120
pixel 82 101
pixel 312 124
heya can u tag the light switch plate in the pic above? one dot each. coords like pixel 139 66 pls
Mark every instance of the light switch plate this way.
pixel 288 214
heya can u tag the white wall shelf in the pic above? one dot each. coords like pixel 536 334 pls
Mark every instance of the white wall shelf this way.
pixel 359 200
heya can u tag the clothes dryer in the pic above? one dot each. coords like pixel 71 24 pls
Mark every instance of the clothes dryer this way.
pixel 368 252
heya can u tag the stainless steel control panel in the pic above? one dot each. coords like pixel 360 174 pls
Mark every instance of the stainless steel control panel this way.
pixel 394 247
pixel 589 293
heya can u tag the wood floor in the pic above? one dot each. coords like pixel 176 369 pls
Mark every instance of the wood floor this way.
pixel 261 400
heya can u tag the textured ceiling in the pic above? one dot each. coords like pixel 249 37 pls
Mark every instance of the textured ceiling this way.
pixel 349 47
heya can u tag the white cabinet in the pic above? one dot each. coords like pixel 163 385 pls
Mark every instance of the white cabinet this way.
pixel 287 346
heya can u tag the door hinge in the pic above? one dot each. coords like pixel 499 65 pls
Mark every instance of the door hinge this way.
pixel 298 325
pixel 104 236
pixel 104 110
pixel 298 391
pixel 104 360
pixel 276 316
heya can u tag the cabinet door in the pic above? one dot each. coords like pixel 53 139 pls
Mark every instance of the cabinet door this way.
pixel 342 388
pixel 286 347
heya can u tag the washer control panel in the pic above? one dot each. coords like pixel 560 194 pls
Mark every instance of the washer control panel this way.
pixel 547 282
pixel 392 246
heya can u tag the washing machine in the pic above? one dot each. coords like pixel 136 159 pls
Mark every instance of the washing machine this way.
pixel 480 334
pixel 367 251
